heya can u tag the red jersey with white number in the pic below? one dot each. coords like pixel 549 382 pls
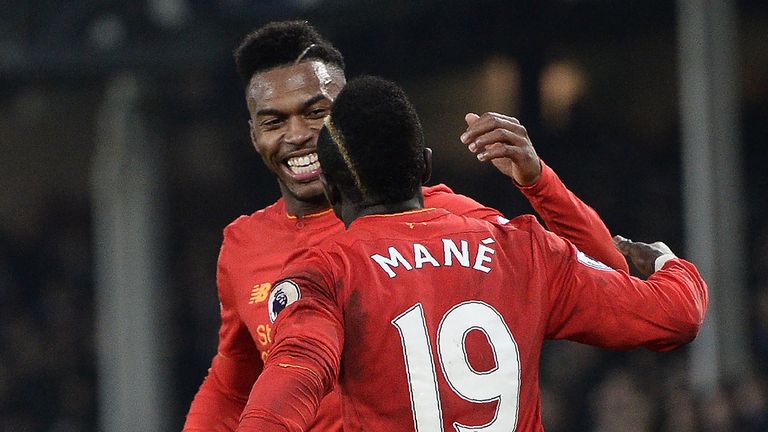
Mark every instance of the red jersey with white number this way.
pixel 256 247
pixel 254 250
pixel 435 322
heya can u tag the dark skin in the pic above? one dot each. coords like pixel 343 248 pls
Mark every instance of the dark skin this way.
pixel 503 141
pixel 348 210
pixel 643 255
pixel 288 105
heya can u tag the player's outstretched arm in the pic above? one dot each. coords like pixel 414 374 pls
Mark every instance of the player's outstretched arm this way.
pixel 592 304
pixel 504 142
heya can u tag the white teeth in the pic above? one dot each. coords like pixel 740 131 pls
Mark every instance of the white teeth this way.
pixel 305 169
pixel 302 160
pixel 304 164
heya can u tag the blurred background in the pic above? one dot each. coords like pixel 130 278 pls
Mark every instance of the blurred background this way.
pixel 124 152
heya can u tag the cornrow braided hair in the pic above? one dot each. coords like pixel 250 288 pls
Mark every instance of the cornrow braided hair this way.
pixel 338 139
pixel 372 145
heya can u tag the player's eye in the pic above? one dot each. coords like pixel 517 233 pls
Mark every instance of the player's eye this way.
pixel 271 123
pixel 317 113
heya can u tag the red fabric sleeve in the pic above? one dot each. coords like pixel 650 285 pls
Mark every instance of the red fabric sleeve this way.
pixel 441 196
pixel 304 362
pixel 611 309
pixel 219 402
pixel 285 399
pixel 567 216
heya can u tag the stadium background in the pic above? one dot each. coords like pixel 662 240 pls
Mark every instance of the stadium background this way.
pixel 124 151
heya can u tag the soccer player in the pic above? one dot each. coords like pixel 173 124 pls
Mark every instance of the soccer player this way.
pixel 291 76
pixel 432 321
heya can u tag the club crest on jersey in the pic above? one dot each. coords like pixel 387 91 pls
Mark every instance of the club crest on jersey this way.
pixel 591 262
pixel 283 294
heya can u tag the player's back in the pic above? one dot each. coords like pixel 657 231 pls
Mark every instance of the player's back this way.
pixel 441 314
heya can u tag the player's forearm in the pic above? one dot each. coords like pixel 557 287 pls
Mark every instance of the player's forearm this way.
pixel 662 313
pixel 302 367
pixel 616 311
pixel 285 398
pixel 219 402
pixel 212 411
pixel 569 217
pixel 682 299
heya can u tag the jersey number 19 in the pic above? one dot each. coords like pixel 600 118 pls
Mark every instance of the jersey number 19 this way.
pixel 502 383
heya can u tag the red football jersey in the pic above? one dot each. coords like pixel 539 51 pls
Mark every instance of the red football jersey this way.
pixel 256 247
pixel 434 322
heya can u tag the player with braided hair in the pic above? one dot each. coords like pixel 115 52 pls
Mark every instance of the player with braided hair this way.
pixel 369 174
pixel 429 321
pixel 291 75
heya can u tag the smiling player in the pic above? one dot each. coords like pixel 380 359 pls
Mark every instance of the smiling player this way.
pixel 291 77
pixel 433 322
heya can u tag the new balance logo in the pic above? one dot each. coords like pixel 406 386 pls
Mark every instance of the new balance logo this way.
pixel 260 292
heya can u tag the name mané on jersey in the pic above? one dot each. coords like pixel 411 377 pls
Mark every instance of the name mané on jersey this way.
pixel 449 253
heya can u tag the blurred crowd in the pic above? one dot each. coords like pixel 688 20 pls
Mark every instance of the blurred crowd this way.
pixel 47 362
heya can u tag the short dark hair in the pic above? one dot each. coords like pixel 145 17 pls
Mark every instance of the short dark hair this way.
pixel 281 43
pixel 372 145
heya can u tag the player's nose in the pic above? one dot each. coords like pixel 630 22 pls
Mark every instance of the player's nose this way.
pixel 298 131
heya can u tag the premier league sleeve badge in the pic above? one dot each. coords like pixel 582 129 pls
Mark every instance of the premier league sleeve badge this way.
pixel 283 294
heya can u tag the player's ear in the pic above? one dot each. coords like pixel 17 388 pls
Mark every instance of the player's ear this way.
pixel 427 165
pixel 329 190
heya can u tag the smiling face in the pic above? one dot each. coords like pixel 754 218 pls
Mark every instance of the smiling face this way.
pixel 288 105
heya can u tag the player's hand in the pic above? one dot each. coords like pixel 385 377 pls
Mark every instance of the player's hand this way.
pixel 503 141
pixel 643 255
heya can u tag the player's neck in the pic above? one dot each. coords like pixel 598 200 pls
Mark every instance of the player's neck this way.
pixel 301 208
pixel 359 211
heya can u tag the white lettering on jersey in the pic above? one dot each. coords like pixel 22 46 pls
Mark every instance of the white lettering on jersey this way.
pixel 482 251
pixel 394 260
pixel 422 255
pixel 450 249
pixel 451 253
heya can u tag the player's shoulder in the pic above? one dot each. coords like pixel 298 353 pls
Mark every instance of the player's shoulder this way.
pixel 437 189
pixel 344 247
pixel 441 196
pixel 526 222
pixel 523 225
pixel 527 229
pixel 336 245
pixel 254 223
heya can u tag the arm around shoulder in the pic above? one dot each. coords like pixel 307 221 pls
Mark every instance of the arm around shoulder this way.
pixel 568 216
pixel 614 310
